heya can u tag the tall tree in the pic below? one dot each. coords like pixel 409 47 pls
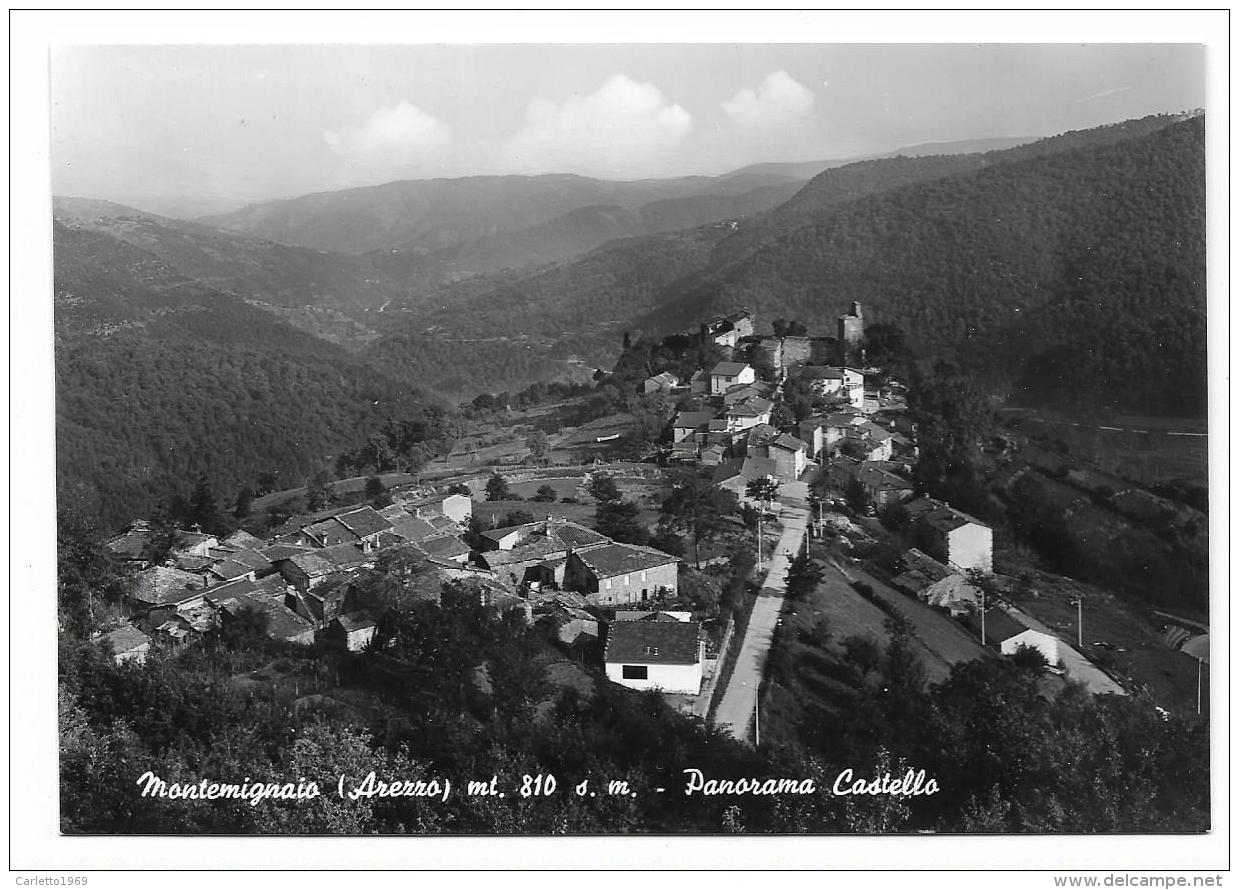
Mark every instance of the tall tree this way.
pixel 698 508
pixel 602 487
pixel 497 488
pixel 204 507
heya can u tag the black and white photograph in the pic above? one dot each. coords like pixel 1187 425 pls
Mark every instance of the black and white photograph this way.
pixel 596 439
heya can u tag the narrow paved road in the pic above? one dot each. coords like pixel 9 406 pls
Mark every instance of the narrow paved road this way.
pixel 735 711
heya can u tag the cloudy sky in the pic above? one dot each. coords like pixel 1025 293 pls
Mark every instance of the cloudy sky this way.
pixel 255 122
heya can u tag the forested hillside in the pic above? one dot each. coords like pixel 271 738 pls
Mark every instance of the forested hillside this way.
pixel 159 378
pixel 248 267
pixel 1072 274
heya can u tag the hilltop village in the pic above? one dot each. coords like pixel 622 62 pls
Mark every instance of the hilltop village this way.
pixel 777 445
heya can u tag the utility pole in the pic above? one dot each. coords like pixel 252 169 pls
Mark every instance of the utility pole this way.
pixel 1080 622
pixel 1199 671
pixel 759 516
pixel 982 616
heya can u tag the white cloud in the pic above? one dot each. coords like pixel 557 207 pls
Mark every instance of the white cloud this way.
pixel 396 140
pixel 778 101
pixel 623 128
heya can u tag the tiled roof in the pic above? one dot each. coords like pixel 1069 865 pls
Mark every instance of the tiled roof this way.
pixel 759 468
pixel 160 585
pixel 574 535
pixel 693 420
pixel 413 529
pixel 653 642
pixel 312 564
pixel 189 563
pixel 881 478
pixel 356 621
pixel 727 369
pixel 754 407
pixel 193 539
pixel 130 544
pixel 392 512
pixel 330 532
pixel 941 516
pixel 124 639
pixel 243 540
pixel 227 569
pixel 253 559
pixel 444 547
pixel 498 534
pixel 620 559
pixel 363 521
pixel 344 555
pixel 788 441
pixel 999 625
pixel 277 552
pixel 762 433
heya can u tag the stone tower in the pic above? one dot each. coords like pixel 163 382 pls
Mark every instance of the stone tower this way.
pixel 851 336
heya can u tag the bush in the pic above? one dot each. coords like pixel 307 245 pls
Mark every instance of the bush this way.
pixel 546 494
pixel 819 634
pixel 864 652
pixel 1029 658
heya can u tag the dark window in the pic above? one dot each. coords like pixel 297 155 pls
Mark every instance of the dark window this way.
pixel 635 672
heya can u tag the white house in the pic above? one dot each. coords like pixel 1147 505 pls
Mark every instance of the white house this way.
pixel 664 382
pixel 663 655
pixel 845 383
pixel 1004 632
pixel 954 537
pixel 726 374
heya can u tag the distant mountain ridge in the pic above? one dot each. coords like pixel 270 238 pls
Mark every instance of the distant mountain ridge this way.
pixel 251 268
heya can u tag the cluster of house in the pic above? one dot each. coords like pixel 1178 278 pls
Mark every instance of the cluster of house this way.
pixel 730 427
pixel 303 578
pixel 955 543
pixel 309 576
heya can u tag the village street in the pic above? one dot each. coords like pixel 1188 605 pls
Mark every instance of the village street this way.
pixel 736 709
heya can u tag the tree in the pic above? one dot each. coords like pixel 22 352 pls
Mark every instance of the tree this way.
pixel 764 489
pixel 703 591
pixel 538 444
pixel 204 508
pixel 245 631
pixel 667 541
pixel 162 537
pixel 319 492
pixel 517 517
pixel 855 493
pixel 403 579
pixel 244 503
pixel 698 508
pixel 497 488
pixel 460 488
pixel 803 575
pixel 602 487
pixel 376 493
pixel 88 579
pixel 886 346
pixel 783 416
pixel 620 521
pixel 546 494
